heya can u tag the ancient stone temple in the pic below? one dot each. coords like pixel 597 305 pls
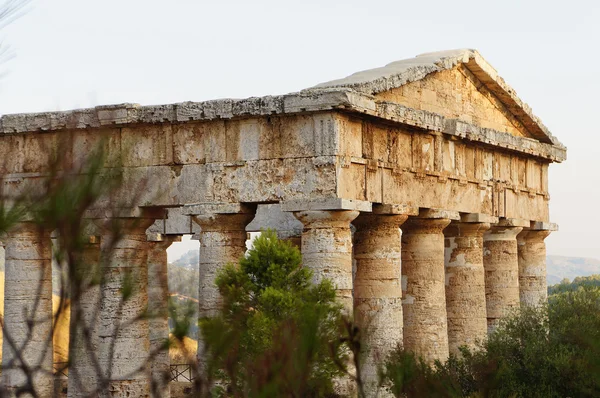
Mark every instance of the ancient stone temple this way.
pixel 436 163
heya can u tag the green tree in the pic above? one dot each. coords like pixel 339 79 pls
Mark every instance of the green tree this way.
pixel 581 281
pixel 277 333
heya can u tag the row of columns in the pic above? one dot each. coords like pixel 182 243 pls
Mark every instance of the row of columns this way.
pixel 428 283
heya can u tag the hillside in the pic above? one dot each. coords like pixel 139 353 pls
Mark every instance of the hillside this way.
pixel 561 267
pixel 586 282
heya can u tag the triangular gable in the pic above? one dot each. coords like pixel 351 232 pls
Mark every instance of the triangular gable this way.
pixel 428 82
pixel 457 94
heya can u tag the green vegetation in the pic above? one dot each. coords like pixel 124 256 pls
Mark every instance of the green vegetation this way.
pixel 277 333
pixel 553 351
pixel 581 281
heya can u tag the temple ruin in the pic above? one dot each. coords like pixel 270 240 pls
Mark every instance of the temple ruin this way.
pixel 436 163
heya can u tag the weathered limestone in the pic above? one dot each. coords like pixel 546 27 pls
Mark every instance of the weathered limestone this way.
pixel 83 334
pixel 439 131
pixel 465 284
pixel 158 309
pixel 222 241
pixel 533 289
pixel 501 264
pixel 123 339
pixel 327 249
pixel 28 310
pixel 423 288
pixel 377 290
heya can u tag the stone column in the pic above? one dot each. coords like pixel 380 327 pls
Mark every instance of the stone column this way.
pixel 377 290
pixel 465 285
pixel 501 264
pixel 423 288
pixel 533 289
pixel 123 340
pixel 327 249
pixel 83 334
pixel 222 241
pixel 270 216
pixel 28 310
pixel 158 309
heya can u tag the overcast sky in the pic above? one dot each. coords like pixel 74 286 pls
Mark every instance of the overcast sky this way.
pixel 80 53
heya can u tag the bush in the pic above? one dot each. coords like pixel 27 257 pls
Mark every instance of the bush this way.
pixel 553 351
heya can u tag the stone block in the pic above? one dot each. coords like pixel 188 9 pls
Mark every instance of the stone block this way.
pixel 326 204
pixel 147 146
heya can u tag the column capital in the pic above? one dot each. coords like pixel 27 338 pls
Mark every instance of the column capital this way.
pixel 223 222
pixel 25 227
pixel 418 225
pixel 326 218
pixel 529 235
pixel 163 239
pixel 543 226
pixel 498 232
pixel 460 229
pixel 372 220
pixel 513 222
pixel 134 221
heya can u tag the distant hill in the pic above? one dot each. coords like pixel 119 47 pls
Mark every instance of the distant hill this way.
pixel 188 260
pixel 560 267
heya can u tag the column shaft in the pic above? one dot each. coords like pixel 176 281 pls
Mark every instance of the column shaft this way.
pixel 222 241
pixel 123 340
pixel 28 309
pixel 501 264
pixel 533 289
pixel 377 291
pixel 327 249
pixel 158 308
pixel 423 288
pixel 465 285
pixel 83 335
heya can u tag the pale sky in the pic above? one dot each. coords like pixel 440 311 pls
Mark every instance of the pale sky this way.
pixel 80 53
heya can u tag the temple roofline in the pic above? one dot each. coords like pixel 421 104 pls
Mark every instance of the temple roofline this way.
pixel 318 100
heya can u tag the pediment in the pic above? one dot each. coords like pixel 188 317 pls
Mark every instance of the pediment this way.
pixel 457 84
pixel 457 94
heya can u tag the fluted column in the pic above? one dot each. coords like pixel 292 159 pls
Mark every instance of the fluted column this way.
pixel 28 310
pixel 222 241
pixel 533 289
pixel 123 340
pixel 327 249
pixel 158 308
pixel 377 290
pixel 501 264
pixel 83 333
pixel 423 288
pixel 465 285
